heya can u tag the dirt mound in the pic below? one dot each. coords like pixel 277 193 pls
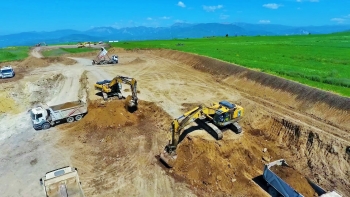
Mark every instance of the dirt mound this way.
pixel 111 146
pixel 294 179
pixel 136 61
pixel 32 62
pixel 38 91
pixel 25 66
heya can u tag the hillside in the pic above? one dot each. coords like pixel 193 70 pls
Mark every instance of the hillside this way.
pixel 177 30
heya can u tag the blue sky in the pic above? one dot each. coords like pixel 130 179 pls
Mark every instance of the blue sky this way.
pixel 49 15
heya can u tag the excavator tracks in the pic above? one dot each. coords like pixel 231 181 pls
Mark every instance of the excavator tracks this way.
pixel 210 128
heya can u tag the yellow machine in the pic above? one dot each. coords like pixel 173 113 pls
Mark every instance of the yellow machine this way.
pixel 113 87
pixel 220 114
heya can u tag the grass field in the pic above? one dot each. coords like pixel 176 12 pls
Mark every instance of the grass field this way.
pixel 13 53
pixel 61 51
pixel 321 61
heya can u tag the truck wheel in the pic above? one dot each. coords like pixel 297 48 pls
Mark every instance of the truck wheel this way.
pixel 78 117
pixel 46 126
pixel 70 119
pixel 273 192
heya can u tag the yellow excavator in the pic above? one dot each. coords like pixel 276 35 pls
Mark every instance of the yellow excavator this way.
pixel 222 114
pixel 110 88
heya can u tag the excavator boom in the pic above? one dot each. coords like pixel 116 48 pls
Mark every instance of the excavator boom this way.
pixel 113 88
pixel 209 118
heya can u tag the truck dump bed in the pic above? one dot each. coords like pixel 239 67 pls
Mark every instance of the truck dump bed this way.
pixel 63 182
pixel 289 182
pixel 67 105
pixel 65 110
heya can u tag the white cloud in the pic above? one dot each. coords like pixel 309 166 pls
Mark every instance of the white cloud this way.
pixel 264 21
pixel 149 18
pixel 165 17
pixel 224 16
pixel 314 1
pixel 181 4
pixel 347 16
pixel 338 20
pixel 272 5
pixel 178 21
pixel 212 8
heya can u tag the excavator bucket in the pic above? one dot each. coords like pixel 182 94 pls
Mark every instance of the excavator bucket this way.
pixel 130 104
pixel 167 159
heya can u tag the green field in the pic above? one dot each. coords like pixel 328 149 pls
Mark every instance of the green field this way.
pixel 61 51
pixel 321 61
pixel 13 53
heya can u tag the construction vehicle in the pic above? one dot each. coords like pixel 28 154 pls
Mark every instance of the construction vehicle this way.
pixel 110 88
pixel 41 44
pixel 222 114
pixel 112 60
pixel 101 58
pixel 80 45
pixel 278 187
pixel 62 182
pixel 7 72
pixel 44 116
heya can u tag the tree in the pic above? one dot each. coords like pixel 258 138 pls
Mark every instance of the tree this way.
pixel 226 35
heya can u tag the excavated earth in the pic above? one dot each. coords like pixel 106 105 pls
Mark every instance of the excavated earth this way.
pixel 116 151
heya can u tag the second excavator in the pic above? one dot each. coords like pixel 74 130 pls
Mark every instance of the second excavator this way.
pixel 110 88
pixel 220 114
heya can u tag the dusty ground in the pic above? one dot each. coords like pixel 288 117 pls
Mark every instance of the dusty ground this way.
pixel 115 151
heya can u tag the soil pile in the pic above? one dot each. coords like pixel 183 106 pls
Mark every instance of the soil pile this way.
pixel 112 146
pixel 32 62
pixel 107 115
pixel 227 166
pixel 296 180
pixel 136 61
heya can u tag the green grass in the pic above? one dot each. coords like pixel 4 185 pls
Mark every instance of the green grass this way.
pixel 61 51
pixel 13 53
pixel 321 61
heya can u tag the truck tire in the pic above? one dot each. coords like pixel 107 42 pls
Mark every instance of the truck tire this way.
pixel 78 117
pixel 46 126
pixel 70 119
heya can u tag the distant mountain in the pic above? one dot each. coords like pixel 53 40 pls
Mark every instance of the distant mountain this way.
pixel 177 30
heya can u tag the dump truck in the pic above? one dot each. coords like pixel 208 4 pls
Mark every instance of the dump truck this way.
pixel 44 116
pixel 278 187
pixel 62 182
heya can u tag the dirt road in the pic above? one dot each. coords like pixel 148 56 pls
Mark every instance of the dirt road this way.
pixel 117 157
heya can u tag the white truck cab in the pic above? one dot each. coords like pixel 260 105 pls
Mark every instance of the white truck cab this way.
pixel 39 117
pixel 7 72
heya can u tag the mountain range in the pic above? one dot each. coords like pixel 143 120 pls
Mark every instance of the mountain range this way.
pixel 177 30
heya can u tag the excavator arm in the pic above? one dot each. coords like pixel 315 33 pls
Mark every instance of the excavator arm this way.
pixel 114 87
pixel 168 156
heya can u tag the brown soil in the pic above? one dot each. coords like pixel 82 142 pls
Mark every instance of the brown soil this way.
pixel 113 143
pixel 295 179
pixel 65 105
pixel 136 61
pixel 23 67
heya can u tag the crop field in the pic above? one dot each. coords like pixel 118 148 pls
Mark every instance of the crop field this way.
pixel 320 61
pixel 13 53
pixel 61 51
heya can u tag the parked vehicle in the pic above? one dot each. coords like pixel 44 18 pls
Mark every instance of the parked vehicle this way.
pixel 62 182
pixel 7 72
pixel 278 187
pixel 44 116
